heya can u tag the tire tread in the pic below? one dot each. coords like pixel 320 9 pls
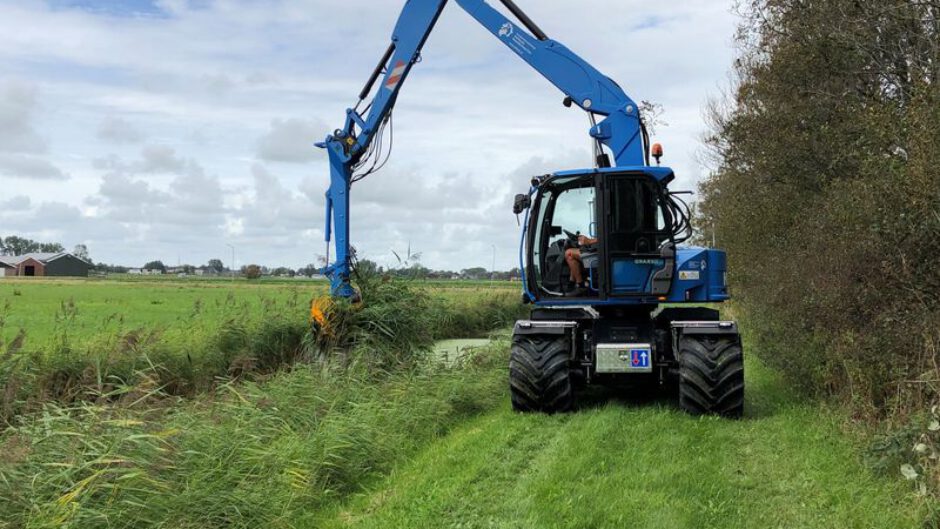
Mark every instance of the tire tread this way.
pixel 539 378
pixel 711 375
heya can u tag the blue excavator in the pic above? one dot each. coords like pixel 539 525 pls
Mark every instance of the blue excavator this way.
pixel 617 299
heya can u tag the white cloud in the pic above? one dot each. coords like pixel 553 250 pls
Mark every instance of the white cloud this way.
pixel 230 97
pixel 29 167
pixel 119 191
pixel 291 140
pixel 160 159
pixel 273 215
pixel 193 200
pixel 154 159
pixel 18 101
pixel 17 203
pixel 22 148
pixel 118 130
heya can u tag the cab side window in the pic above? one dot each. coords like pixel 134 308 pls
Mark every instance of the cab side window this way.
pixel 636 222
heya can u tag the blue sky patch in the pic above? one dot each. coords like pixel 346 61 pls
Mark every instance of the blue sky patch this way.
pixel 121 8
pixel 650 22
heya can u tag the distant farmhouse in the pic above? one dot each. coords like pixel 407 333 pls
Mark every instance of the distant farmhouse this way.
pixel 145 271
pixel 61 264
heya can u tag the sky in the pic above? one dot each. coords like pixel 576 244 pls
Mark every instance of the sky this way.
pixel 178 129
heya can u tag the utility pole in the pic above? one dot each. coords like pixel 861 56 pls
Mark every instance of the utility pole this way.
pixel 233 260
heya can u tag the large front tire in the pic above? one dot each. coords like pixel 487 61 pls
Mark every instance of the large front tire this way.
pixel 539 378
pixel 711 375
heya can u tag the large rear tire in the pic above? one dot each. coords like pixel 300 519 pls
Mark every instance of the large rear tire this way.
pixel 711 375
pixel 539 378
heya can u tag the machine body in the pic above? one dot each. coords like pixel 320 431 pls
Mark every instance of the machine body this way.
pixel 611 327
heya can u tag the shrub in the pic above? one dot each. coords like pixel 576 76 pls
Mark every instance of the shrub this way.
pixel 826 193
pixel 252 271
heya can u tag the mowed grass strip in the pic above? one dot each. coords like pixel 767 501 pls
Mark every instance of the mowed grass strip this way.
pixel 639 464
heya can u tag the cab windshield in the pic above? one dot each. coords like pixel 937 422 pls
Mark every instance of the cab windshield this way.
pixel 567 209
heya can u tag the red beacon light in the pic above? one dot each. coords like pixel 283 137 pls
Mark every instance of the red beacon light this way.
pixel 657 152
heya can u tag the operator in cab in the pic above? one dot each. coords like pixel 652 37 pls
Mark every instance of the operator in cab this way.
pixel 584 256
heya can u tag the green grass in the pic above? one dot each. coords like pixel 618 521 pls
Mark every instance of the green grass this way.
pixel 90 308
pixel 373 435
pixel 88 339
pixel 437 446
pixel 640 465
pixel 248 455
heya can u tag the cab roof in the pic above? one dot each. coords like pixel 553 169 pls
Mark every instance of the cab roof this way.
pixel 660 174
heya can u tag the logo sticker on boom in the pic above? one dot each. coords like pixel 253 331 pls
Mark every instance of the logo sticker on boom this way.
pixel 506 30
pixel 397 72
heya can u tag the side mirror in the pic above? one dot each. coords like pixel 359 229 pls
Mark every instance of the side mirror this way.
pixel 521 203
pixel 554 230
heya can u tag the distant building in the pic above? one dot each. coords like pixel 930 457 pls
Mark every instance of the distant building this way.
pixel 144 271
pixel 60 264
pixel 207 272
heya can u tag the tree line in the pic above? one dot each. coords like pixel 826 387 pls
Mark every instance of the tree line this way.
pixel 14 245
pixel 409 268
pixel 825 191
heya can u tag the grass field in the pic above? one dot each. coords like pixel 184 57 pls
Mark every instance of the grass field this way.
pixel 214 407
pixel 87 339
pixel 436 446
pixel 88 308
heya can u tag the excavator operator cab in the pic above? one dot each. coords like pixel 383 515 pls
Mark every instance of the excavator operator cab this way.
pixel 628 213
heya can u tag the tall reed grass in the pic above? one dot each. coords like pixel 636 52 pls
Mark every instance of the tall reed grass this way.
pixel 397 323
pixel 105 438
pixel 247 455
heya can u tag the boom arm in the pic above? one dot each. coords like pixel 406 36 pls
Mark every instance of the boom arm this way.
pixel 582 84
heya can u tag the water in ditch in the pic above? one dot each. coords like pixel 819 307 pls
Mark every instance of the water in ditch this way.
pixel 450 350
